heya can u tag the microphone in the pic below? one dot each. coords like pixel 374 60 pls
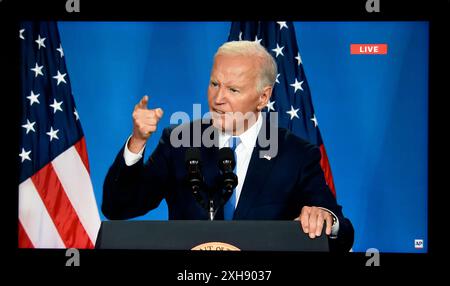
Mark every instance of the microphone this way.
pixel 227 163
pixel 192 159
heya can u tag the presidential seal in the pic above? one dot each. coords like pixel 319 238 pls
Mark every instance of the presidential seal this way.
pixel 215 246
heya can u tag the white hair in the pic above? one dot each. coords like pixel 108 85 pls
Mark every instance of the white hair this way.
pixel 268 66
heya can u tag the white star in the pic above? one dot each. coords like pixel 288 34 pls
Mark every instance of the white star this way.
pixel 52 133
pixel 56 105
pixel 278 50
pixel 314 119
pixel 298 58
pixel 270 105
pixel 76 114
pixel 240 36
pixel 29 126
pixel 25 155
pixel 21 34
pixel 33 98
pixel 60 78
pixel 282 24
pixel 297 85
pixel 258 40
pixel 37 70
pixel 40 42
pixel 293 112
pixel 276 80
pixel 60 49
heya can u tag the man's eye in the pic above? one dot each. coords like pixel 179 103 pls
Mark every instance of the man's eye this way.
pixel 233 90
pixel 214 84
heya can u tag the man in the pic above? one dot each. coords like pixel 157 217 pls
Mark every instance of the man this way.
pixel 288 185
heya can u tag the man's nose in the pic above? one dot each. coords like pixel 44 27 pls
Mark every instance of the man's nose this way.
pixel 220 96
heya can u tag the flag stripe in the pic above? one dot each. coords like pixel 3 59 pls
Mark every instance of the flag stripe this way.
pixel 82 151
pixel 60 208
pixel 325 164
pixel 35 219
pixel 24 240
pixel 75 180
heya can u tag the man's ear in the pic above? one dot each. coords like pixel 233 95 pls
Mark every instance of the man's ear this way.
pixel 264 97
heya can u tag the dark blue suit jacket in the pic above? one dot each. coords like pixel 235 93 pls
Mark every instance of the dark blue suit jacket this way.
pixel 275 189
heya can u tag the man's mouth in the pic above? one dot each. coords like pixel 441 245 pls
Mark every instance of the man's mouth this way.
pixel 218 111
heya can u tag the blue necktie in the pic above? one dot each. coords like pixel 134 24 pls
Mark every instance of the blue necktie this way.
pixel 229 207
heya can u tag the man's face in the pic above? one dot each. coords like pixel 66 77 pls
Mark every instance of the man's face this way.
pixel 232 93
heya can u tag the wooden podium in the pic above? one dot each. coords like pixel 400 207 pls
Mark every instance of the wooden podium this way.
pixel 242 235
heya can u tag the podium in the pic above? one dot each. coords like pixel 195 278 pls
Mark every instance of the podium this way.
pixel 242 235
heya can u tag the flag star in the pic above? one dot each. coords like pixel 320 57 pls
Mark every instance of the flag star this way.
pixel 52 133
pixel 37 70
pixel 56 106
pixel 60 78
pixel 60 49
pixel 21 34
pixel 282 24
pixel 76 114
pixel 25 155
pixel 298 58
pixel 40 42
pixel 240 36
pixel 278 50
pixel 29 126
pixel 293 112
pixel 258 40
pixel 270 105
pixel 33 98
pixel 297 85
pixel 314 119
pixel 276 80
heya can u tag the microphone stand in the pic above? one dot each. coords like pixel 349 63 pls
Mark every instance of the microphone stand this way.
pixel 225 197
pixel 212 212
pixel 209 207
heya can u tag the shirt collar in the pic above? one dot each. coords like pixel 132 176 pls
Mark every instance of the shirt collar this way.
pixel 248 138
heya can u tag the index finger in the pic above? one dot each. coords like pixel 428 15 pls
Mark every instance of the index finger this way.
pixel 304 220
pixel 143 102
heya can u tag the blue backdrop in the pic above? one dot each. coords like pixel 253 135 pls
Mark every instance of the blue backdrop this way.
pixel 372 110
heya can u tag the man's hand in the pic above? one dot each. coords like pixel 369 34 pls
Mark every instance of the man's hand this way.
pixel 312 219
pixel 145 122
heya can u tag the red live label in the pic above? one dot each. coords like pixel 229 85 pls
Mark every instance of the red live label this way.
pixel 368 49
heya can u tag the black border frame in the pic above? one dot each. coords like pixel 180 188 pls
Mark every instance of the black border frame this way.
pixel 168 262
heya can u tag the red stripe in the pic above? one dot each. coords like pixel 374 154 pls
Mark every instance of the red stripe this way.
pixel 24 240
pixel 82 151
pixel 60 209
pixel 327 169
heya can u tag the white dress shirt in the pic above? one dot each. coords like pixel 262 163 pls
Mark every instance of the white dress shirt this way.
pixel 243 155
pixel 243 151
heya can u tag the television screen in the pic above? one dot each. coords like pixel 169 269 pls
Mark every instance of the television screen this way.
pixel 364 85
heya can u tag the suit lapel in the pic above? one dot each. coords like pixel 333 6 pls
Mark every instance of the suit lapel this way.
pixel 258 172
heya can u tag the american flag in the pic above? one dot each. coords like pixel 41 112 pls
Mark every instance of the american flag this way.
pixel 57 207
pixel 291 96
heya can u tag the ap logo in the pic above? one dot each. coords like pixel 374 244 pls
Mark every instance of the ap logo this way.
pixel 418 243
